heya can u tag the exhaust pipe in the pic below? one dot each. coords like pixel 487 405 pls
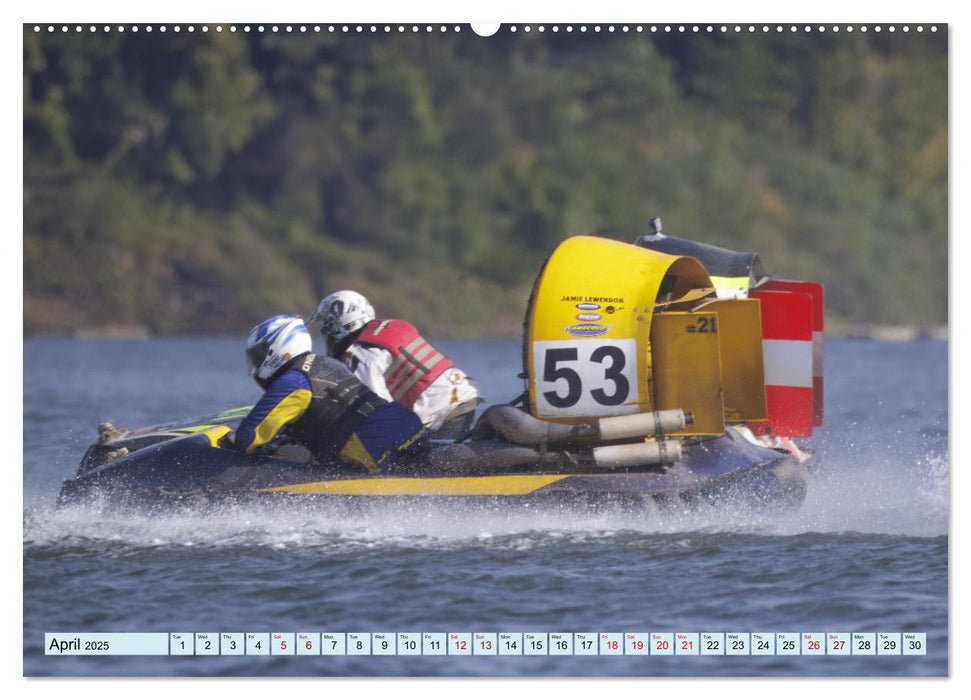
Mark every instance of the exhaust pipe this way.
pixel 521 428
pixel 637 454
pixel 653 424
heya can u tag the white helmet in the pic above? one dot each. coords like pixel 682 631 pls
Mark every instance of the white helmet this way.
pixel 275 342
pixel 341 314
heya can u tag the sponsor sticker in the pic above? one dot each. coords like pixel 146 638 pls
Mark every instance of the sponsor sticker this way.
pixel 588 317
pixel 589 299
pixel 587 330
pixel 588 307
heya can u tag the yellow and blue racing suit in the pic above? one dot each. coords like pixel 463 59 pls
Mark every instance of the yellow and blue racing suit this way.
pixel 328 410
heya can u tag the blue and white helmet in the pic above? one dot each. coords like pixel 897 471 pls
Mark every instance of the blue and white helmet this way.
pixel 275 342
pixel 340 314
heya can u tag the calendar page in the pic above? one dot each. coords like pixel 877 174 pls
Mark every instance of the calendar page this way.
pixel 282 412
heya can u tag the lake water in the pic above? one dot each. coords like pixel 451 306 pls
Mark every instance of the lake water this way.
pixel 867 551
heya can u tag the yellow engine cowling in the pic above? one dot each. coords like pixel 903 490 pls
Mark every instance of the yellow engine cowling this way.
pixel 613 329
pixel 588 326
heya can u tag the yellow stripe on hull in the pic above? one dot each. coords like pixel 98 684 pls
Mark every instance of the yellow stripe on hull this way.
pixel 513 485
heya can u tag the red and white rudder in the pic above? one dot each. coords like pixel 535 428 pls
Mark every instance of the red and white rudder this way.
pixel 792 347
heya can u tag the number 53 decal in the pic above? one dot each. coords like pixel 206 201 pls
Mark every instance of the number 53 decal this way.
pixel 585 377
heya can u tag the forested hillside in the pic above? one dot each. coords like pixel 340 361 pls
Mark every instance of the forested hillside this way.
pixel 198 182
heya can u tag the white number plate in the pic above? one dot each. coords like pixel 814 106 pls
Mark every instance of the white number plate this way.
pixel 592 377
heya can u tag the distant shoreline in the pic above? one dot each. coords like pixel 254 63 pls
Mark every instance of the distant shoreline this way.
pixel 892 334
pixel 885 333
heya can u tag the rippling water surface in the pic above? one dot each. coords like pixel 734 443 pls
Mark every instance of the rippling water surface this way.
pixel 867 551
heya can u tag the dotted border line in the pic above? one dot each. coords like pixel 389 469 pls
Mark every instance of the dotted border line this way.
pixel 414 28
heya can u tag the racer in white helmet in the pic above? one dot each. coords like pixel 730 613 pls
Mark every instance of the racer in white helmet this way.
pixel 397 363
pixel 322 405
pixel 339 316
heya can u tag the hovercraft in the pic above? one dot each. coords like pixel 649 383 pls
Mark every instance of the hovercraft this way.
pixel 664 370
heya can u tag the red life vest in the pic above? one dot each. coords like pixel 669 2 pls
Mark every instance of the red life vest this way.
pixel 415 363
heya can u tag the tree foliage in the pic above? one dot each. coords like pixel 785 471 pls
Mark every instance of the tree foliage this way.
pixel 199 182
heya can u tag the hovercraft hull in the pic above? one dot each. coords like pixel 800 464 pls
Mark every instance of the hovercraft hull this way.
pixel 192 468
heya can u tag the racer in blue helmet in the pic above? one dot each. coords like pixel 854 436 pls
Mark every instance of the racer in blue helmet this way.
pixel 322 405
